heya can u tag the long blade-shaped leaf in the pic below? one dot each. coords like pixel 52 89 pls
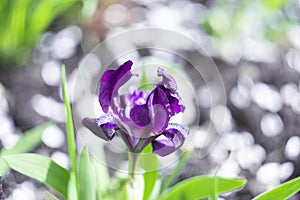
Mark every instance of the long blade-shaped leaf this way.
pixel 42 169
pixel 283 191
pixel 103 182
pixel 72 193
pixel 201 187
pixel 69 128
pixel 87 177
pixel 29 140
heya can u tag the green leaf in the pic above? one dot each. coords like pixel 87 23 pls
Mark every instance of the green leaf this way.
pixel 171 177
pixel 42 169
pixel 72 193
pixel 24 22
pixel 29 140
pixel 149 163
pixel 103 181
pixel 86 177
pixel 49 196
pixel 201 187
pixel 70 129
pixel 283 191
pixel 144 82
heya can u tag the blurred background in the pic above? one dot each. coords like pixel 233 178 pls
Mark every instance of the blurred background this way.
pixel 255 45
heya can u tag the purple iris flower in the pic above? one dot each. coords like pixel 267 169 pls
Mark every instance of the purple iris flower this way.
pixel 141 117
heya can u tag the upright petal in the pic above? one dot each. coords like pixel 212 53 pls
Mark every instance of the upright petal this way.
pixel 111 81
pixel 174 138
pixel 103 127
pixel 160 114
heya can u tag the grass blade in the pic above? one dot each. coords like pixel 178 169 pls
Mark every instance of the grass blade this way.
pixel 69 128
pixel 86 177
pixel 72 193
pixel 103 182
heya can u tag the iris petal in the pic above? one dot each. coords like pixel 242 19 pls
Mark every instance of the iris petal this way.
pixel 175 106
pixel 111 81
pixel 158 105
pixel 174 138
pixel 103 127
pixel 140 115
pixel 163 147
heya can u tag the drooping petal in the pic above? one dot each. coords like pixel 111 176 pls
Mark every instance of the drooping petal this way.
pixel 163 147
pixel 174 138
pixel 111 81
pixel 103 127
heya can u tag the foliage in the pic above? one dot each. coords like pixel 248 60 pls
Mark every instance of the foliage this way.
pixel 22 23
pixel 29 140
pixel 230 22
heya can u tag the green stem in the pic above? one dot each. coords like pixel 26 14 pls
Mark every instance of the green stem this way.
pixel 133 163
pixel 139 144
pixel 131 184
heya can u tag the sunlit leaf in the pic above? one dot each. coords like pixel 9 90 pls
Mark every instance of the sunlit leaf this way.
pixel 70 128
pixel 86 177
pixel 42 169
pixel 201 187
pixel 24 22
pixel 29 140
pixel 283 191
pixel 103 182
pixel 72 193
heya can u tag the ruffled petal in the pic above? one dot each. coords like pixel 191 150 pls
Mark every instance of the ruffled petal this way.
pixel 174 138
pixel 103 127
pixel 111 81
pixel 174 101
pixel 169 87
pixel 167 80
